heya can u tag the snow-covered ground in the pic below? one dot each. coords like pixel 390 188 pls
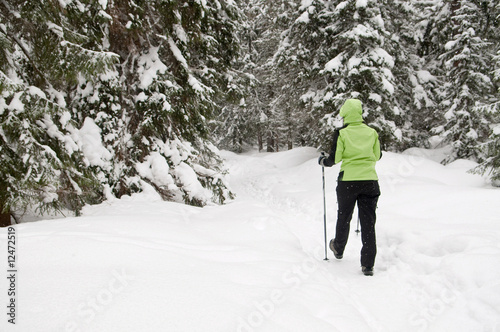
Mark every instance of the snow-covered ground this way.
pixel 256 264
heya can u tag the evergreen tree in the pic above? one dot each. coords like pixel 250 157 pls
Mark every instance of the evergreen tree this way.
pixel 466 61
pixel 234 125
pixel 490 149
pixel 154 109
pixel 256 118
pixel 300 57
pixel 348 49
pixel 415 97
pixel 110 98
pixel 42 165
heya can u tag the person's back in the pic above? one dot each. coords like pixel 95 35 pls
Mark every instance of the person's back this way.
pixel 357 146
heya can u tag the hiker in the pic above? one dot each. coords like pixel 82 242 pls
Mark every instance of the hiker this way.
pixel 358 148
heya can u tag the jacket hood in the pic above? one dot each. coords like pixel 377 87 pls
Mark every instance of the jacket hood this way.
pixel 352 111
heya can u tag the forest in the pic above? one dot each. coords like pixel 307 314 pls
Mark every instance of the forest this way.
pixel 105 98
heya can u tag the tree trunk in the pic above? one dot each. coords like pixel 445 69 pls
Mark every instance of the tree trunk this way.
pixel 5 220
pixel 260 141
pixel 4 217
pixel 270 142
pixel 289 138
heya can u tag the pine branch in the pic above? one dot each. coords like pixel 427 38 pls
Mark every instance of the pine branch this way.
pixel 22 46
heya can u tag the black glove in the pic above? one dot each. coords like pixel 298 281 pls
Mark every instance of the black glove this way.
pixel 322 158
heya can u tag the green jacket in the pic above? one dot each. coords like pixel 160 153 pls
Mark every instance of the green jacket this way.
pixel 355 145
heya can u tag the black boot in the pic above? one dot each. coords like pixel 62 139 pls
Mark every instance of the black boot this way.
pixel 367 271
pixel 335 252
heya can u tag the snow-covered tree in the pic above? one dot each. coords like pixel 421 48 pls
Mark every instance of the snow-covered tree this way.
pixel 234 125
pixel 415 93
pixel 255 119
pixel 343 49
pixel 154 109
pixel 490 149
pixel 43 53
pixel 466 60
pixel 102 98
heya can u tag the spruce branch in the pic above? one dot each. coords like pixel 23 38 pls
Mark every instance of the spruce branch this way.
pixel 23 47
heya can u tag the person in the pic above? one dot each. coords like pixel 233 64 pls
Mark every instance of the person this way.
pixel 357 146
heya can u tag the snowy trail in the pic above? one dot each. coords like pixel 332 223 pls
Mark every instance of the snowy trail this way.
pixel 256 264
pixel 281 185
pixel 431 218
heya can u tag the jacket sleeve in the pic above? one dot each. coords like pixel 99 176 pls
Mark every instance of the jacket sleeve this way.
pixel 376 149
pixel 332 158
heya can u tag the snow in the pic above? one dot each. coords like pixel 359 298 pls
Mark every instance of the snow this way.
pixel 150 66
pixel 354 62
pixel 307 96
pixel 398 134
pixel 496 130
pixel 50 128
pixel 304 4
pixel 387 86
pixel 16 104
pixel 192 81
pixel 341 6
pixel 472 134
pixel 256 264
pixel 189 182
pixel 104 4
pixel 65 3
pixel 180 33
pixel 177 53
pixel 155 168
pixel 102 13
pixel 361 3
pixel 381 56
pixel 335 64
pixel 424 76
pixel 34 91
pixel 89 138
pixel 375 97
pixel 304 18
pixel 65 118
pixel 450 45
pixel 378 21
pixel 196 85
pixel 362 31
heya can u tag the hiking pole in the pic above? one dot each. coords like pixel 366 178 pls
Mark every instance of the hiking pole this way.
pixel 324 206
pixel 357 229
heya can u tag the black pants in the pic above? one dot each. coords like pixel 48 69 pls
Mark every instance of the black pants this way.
pixel 366 194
